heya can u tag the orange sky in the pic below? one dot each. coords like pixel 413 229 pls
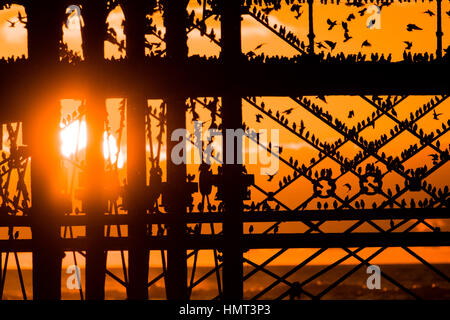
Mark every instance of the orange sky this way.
pixel 388 39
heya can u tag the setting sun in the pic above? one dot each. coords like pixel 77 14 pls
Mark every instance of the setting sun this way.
pixel 74 137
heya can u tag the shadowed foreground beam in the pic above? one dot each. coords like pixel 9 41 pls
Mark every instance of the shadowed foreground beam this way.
pixel 259 241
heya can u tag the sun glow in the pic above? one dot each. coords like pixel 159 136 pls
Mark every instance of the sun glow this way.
pixel 74 137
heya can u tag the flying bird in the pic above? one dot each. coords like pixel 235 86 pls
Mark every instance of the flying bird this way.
pixel 348 185
pixel 347 37
pixel 331 24
pixel 320 45
pixel 258 118
pixel 429 12
pixel 411 27
pixel 344 26
pixel 259 46
pixel 351 17
pixel 270 177
pixel 11 23
pixel 362 12
pixel 366 44
pixel 436 115
pixel 408 45
pixel 288 111
pixel 331 44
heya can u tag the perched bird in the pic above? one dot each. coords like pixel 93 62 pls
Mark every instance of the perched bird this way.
pixel 436 115
pixel 351 17
pixel 331 44
pixel 288 111
pixel 275 229
pixel 258 118
pixel 366 44
pixel 331 24
pixel 411 27
pixel 408 45
pixel 267 10
pixel 351 114
pixel 21 19
pixel 11 23
pixel 429 12
pixel 347 37
pixel 434 157
pixel 322 98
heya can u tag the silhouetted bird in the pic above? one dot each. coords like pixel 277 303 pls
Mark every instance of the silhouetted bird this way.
pixel 366 44
pixel 408 45
pixel 351 17
pixel 351 114
pixel 321 97
pixel 349 186
pixel 267 10
pixel 258 118
pixel 411 27
pixel 11 23
pixel 429 12
pixel 331 24
pixel 434 157
pixel 21 19
pixel 288 111
pixel 258 46
pixel 362 12
pixel 436 115
pixel 320 45
pixel 270 177
pixel 331 44
pixel 344 26
pixel 250 229
pixel 347 37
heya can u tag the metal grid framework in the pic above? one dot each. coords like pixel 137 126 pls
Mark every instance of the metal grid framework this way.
pixel 160 218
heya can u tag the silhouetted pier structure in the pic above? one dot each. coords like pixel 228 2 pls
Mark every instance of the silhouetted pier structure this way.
pixel 35 85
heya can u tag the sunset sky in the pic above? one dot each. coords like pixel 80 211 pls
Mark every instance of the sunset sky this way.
pixel 387 40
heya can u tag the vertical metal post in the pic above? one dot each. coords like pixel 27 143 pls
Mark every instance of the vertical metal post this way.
pixel 439 32
pixel 231 119
pixel 41 133
pixel 138 255
pixel 176 42
pixel 311 35
pixel 94 14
